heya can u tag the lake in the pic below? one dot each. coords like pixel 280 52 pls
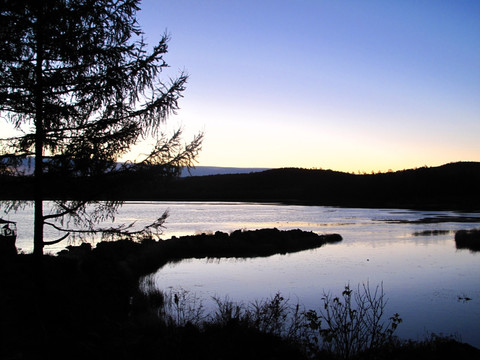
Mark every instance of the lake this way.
pixel 424 276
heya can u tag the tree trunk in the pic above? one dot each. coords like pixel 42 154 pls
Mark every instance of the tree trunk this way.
pixel 39 136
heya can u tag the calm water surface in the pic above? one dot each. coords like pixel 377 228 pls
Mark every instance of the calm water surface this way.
pixel 423 276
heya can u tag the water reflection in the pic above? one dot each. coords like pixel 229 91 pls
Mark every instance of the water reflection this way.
pixel 422 282
pixel 423 276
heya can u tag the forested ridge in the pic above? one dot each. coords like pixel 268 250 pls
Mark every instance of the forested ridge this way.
pixel 450 186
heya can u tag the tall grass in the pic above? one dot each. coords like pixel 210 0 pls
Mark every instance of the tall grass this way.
pixel 344 326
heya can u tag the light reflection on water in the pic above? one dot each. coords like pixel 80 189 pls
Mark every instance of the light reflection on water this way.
pixel 423 276
pixel 423 281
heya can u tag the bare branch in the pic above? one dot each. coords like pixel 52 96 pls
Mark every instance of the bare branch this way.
pixel 52 242
pixel 122 230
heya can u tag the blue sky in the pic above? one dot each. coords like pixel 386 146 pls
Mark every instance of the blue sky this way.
pixel 343 85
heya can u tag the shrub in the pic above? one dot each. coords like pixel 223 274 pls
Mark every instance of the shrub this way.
pixel 353 322
pixel 346 326
pixel 273 316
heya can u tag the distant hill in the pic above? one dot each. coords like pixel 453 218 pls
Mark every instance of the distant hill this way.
pixel 28 165
pixel 450 186
pixel 453 186
pixel 217 170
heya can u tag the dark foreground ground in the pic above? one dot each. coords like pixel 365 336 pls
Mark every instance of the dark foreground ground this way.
pixel 86 304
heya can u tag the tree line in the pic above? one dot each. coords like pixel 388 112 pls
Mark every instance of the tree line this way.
pixel 451 186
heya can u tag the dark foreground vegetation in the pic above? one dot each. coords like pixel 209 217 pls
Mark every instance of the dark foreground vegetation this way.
pixel 468 239
pixel 88 304
pixel 451 186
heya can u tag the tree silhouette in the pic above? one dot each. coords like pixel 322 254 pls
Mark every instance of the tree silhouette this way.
pixel 81 87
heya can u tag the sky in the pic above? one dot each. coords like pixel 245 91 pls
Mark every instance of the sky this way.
pixel 343 85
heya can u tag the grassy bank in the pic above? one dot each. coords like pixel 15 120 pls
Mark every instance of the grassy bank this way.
pixel 147 256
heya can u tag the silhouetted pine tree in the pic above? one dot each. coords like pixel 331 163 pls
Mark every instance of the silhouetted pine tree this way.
pixel 80 83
